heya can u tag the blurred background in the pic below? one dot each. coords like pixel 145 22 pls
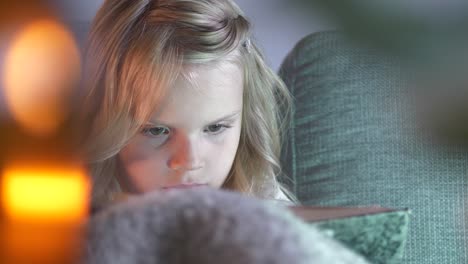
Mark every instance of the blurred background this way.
pixel 279 24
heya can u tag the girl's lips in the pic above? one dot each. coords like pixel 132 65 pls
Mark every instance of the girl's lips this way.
pixel 183 186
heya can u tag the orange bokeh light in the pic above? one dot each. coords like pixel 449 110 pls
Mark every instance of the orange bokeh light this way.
pixel 45 194
pixel 42 66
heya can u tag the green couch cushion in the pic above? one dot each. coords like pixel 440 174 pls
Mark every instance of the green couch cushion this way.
pixel 354 140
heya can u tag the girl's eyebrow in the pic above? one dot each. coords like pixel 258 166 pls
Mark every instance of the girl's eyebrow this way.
pixel 156 123
pixel 227 117
pixel 224 118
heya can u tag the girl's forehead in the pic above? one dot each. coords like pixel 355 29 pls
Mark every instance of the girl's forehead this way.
pixel 202 95
pixel 220 71
pixel 229 62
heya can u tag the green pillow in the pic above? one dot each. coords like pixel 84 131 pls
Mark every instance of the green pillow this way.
pixel 354 141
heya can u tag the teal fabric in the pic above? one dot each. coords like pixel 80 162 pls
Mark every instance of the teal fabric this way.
pixel 355 140
pixel 379 237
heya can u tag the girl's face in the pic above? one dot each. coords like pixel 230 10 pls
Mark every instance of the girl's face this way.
pixel 193 138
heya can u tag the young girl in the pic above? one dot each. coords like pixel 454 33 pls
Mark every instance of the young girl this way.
pixel 177 95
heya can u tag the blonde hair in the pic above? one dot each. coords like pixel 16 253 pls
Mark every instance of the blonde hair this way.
pixel 136 50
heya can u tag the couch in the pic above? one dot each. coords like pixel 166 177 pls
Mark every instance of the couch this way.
pixel 355 140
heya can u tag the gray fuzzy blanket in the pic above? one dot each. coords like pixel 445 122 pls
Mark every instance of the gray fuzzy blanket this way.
pixel 205 225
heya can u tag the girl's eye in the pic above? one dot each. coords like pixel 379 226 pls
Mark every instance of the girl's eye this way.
pixel 156 131
pixel 216 128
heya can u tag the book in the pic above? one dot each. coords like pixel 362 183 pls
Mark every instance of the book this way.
pixel 377 233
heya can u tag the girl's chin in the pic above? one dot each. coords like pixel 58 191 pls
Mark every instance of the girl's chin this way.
pixel 183 186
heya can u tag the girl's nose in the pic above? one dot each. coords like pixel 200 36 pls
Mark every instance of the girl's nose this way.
pixel 185 155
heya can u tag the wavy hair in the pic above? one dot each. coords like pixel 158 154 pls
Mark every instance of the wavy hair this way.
pixel 136 50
